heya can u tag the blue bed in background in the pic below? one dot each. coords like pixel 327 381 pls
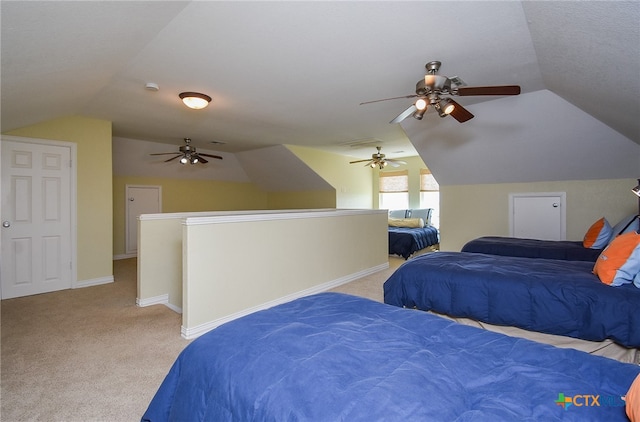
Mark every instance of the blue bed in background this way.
pixel 333 357
pixel 532 248
pixel 405 241
pixel 544 295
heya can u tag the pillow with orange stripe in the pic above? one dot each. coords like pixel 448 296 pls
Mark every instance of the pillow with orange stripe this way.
pixel 598 235
pixel 619 263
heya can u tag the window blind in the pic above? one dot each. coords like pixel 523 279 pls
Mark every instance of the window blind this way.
pixel 394 181
pixel 428 182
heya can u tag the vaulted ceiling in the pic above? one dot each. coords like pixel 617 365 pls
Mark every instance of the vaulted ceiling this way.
pixel 295 73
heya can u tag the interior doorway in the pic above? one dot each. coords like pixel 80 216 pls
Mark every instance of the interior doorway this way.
pixel 139 199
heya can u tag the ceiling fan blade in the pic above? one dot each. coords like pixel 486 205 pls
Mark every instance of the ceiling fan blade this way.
pixel 202 160
pixel 391 160
pixel 209 155
pixel 165 153
pixel 392 98
pixel 359 161
pixel 408 112
pixel 489 90
pixel 172 158
pixel 460 113
pixel 369 163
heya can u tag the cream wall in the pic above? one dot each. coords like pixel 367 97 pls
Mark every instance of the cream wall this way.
pixel 302 200
pixel 470 211
pixel 413 166
pixel 284 256
pixel 352 183
pixel 94 190
pixel 180 195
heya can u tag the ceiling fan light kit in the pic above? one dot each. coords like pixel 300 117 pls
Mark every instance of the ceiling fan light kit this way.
pixel 431 89
pixel 188 154
pixel 195 100
pixel 378 160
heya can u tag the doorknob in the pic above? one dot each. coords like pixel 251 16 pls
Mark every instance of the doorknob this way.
pixel 556 205
pixel 131 199
pixel 6 224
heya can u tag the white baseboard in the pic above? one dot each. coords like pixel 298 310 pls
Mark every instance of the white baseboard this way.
pixel 92 282
pixel 156 300
pixel 198 330
pixel 125 256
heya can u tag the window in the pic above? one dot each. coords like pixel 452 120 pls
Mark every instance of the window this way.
pixel 394 190
pixel 430 195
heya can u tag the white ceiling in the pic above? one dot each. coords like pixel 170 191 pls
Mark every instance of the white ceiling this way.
pixel 295 72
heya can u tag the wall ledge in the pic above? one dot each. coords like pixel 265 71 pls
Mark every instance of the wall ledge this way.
pixel 278 215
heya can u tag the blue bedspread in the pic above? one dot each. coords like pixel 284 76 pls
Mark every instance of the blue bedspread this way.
pixel 405 241
pixel 544 295
pixel 532 248
pixel 334 357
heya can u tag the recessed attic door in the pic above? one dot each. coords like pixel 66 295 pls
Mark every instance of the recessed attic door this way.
pixel 538 215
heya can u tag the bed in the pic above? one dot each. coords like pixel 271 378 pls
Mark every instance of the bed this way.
pixel 405 241
pixel 549 296
pixel 552 249
pixel 532 248
pixel 331 357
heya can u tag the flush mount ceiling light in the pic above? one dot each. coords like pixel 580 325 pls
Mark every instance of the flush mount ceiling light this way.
pixel 195 100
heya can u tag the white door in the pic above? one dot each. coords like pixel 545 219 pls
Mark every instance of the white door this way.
pixel 538 216
pixel 36 217
pixel 139 200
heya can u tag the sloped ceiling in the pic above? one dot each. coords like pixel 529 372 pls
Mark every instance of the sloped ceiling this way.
pixel 295 72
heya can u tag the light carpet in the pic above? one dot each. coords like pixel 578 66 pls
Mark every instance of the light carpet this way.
pixel 91 354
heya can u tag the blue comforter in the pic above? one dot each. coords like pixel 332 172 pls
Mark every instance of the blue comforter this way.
pixel 334 357
pixel 532 248
pixel 544 295
pixel 404 241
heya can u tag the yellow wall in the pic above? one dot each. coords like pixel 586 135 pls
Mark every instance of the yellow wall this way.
pixel 352 183
pixel 413 166
pixel 94 195
pixel 302 200
pixel 470 211
pixel 179 195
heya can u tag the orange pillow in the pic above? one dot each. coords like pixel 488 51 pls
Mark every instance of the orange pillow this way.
pixel 633 401
pixel 616 256
pixel 598 234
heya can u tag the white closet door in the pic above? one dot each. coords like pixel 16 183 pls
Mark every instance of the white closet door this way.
pixel 538 216
pixel 36 218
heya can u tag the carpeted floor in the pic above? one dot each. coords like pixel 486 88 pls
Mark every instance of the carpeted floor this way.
pixel 91 354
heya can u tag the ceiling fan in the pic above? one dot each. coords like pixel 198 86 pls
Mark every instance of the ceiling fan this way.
pixel 188 154
pixel 378 160
pixel 431 89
